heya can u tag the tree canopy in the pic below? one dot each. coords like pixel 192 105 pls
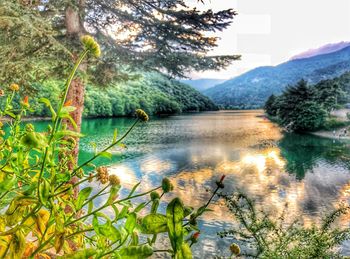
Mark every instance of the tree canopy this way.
pixel 38 37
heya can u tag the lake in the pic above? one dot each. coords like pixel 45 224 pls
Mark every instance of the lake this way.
pixel 309 173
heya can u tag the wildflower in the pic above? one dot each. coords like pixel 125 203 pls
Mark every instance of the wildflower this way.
pixel 14 87
pixel 68 103
pixel 142 115
pixel 154 195
pixel 91 45
pixel 234 248
pixel 1 124
pixel 220 183
pixel 194 237
pixel 114 180
pixel 25 101
pixel 102 174
pixel 2 92
pixel 167 186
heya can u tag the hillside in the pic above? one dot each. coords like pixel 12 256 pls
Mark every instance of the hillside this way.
pixel 203 84
pixel 251 89
pixel 154 93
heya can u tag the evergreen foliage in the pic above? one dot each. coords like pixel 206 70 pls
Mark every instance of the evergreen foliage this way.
pixel 39 38
pixel 303 107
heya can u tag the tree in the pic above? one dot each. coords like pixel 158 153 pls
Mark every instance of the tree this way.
pixel 270 106
pixel 291 98
pixel 328 92
pixel 161 35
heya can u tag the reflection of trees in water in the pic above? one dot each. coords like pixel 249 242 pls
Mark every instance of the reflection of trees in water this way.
pixel 302 152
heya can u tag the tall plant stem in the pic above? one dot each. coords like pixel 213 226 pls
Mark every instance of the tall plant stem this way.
pixel 56 121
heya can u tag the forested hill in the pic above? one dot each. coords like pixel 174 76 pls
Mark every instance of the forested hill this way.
pixel 252 89
pixel 153 92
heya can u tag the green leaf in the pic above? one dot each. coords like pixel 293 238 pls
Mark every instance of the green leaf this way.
pixel 107 230
pixel 90 206
pixel 48 104
pixel 115 135
pixel 175 215
pixel 130 222
pixel 154 224
pixel 80 254
pixel 123 212
pixel 83 195
pixel 72 121
pixel 112 194
pixel 44 191
pixel 66 110
pixel 136 252
pixel 140 207
pixel 66 133
pixel 7 183
pixel 134 189
pixel 106 154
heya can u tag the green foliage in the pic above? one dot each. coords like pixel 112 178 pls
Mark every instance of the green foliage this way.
pixel 270 106
pixel 154 93
pixel 301 107
pixel 50 207
pixel 37 36
pixel 266 236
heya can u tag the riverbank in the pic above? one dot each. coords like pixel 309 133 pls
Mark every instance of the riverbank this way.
pixel 333 134
pixel 336 133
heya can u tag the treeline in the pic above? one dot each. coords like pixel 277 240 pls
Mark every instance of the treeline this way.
pixel 152 92
pixel 305 107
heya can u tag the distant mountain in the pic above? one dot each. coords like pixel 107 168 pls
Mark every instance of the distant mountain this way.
pixel 203 84
pixel 251 89
pixel 329 48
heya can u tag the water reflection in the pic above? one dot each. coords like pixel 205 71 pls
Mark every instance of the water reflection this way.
pixel 308 173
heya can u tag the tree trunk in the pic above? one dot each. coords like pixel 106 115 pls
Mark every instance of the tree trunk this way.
pixel 76 92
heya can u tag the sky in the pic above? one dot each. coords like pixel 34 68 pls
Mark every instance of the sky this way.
pixel 270 32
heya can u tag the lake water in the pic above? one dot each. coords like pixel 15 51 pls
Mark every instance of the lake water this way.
pixel 309 173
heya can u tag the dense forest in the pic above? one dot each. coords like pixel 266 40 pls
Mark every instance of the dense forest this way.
pixel 153 92
pixel 305 107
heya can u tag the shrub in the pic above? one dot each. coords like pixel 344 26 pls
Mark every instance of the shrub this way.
pixel 264 236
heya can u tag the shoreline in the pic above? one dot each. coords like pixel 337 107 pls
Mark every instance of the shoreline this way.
pixel 329 134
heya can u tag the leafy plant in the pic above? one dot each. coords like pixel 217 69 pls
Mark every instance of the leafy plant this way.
pixel 45 214
pixel 263 236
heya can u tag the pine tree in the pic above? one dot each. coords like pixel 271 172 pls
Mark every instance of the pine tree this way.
pixel 40 38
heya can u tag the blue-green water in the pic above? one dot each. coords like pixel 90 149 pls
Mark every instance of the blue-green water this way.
pixel 309 173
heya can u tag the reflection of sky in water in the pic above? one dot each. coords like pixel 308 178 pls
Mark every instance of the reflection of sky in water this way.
pixel 308 173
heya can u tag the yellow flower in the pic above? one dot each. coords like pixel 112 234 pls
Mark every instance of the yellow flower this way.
pixel 142 115
pixel 235 249
pixel 114 180
pixel 2 92
pixel 91 45
pixel 14 87
pixel 102 174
